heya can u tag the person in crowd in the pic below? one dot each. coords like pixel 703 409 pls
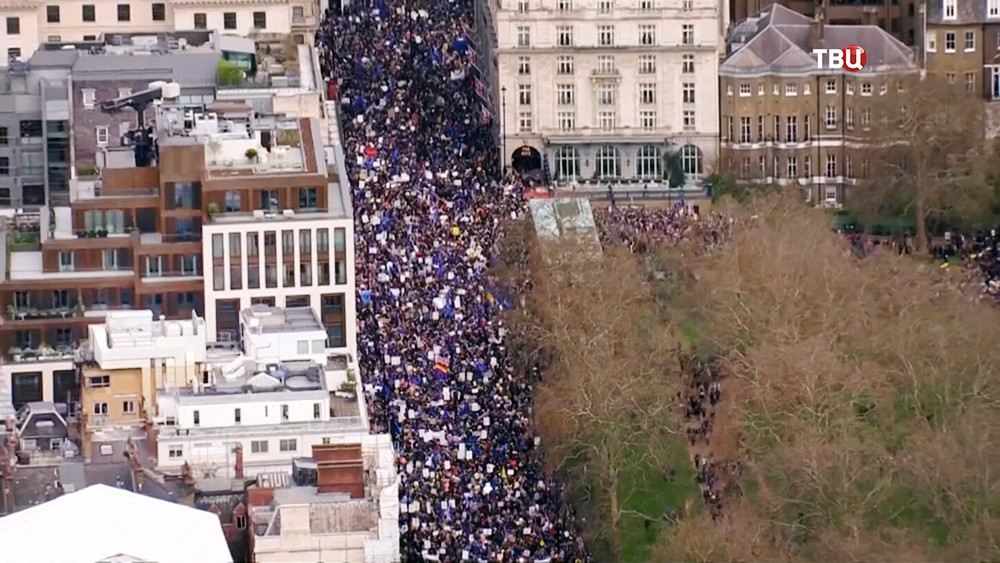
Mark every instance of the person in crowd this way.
pixel 421 160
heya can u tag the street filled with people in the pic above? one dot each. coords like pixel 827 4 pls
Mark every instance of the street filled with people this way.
pixel 421 158
pixel 422 164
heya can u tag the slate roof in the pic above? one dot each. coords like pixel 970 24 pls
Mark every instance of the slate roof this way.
pixel 776 41
pixel 966 12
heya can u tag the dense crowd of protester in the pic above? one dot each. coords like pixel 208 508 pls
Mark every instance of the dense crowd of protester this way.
pixel 642 228
pixel 422 166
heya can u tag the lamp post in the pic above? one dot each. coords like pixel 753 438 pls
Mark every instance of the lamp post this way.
pixel 503 127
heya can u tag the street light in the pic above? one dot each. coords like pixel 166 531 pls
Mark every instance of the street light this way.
pixel 503 127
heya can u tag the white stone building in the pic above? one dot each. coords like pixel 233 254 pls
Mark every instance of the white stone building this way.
pixel 29 23
pixel 603 89
pixel 276 401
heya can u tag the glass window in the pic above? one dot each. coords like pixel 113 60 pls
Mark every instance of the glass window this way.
pixel 305 241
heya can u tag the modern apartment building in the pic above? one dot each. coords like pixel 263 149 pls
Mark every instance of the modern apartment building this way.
pixel 126 237
pixel 28 24
pixel 901 18
pixel 35 130
pixel 784 121
pixel 280 227
pixel 598 91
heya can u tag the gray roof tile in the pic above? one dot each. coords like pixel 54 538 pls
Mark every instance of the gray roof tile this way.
pixel 776 41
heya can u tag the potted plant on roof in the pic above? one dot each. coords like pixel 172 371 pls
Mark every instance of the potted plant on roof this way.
pixel 15 353
pixel 46 351
pixel 251 154
pixel 213 209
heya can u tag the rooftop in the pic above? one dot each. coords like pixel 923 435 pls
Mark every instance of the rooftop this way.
pixel 561 221
pixel 327 513
pixel 297 376
pixel 267 320
pixel 100 522
pixel 777 41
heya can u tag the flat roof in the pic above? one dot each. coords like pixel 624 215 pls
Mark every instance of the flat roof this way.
pixel 189 69
pixel 276 319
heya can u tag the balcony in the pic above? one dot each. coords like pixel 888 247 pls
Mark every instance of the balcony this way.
pixel 92 189
pixel 34 314
pixel 620 133
pixel 307 21
pixel 24 240
pixel 43 353
pixel 27 266
pixel 151 239
pixel 606 73
pixel 308 214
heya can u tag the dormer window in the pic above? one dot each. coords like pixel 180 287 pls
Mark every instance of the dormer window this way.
pixel 950 9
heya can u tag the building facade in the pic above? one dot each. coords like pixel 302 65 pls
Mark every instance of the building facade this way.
pixel 962 46
pixel 27 24
pixel 784 121
pixel 602 91
pixel 127 358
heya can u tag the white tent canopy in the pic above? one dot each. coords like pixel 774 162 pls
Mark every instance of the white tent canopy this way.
pixel 101 522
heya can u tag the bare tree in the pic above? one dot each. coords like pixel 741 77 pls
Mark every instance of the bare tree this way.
pixel 867 404
pixel 924 141
pixel 605 403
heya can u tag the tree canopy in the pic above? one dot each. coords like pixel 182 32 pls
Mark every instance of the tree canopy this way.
pixel 866 406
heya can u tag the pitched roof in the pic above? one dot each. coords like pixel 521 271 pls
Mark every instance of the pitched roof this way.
pixel 100 522
pixel 966 12
pixel 777 41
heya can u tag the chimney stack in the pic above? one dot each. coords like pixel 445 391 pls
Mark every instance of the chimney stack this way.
pixel 187 474
pixel 239 460
pixel 132 453
pixel 871 15
pixel 816 31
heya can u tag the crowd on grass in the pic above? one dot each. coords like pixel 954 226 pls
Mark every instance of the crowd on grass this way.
pixel 421 159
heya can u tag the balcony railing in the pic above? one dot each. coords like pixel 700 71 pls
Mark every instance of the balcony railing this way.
pixel 24 241
pixel 269 214
pixel 40 354
pixel 33 314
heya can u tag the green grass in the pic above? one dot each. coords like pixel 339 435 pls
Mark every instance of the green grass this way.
pixel 655 498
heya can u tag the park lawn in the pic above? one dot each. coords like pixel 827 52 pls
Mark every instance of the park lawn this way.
pixel 657 497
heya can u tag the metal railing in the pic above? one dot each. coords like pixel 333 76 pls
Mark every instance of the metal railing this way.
pixel 338 424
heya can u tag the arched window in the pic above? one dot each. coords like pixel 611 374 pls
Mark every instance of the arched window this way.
pixel 648 163
pixel 567 163
pixel 608 162
pixel 691 160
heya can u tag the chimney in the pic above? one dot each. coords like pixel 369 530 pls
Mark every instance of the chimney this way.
pixel 239 460
pixel 871 15
pixel 339 469
pixel 816 31
pixel 132 453
pixel 163 325
pixel 187 474
pixel 12 443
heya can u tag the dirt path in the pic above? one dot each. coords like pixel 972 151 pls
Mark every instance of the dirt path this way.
pixel 718 448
